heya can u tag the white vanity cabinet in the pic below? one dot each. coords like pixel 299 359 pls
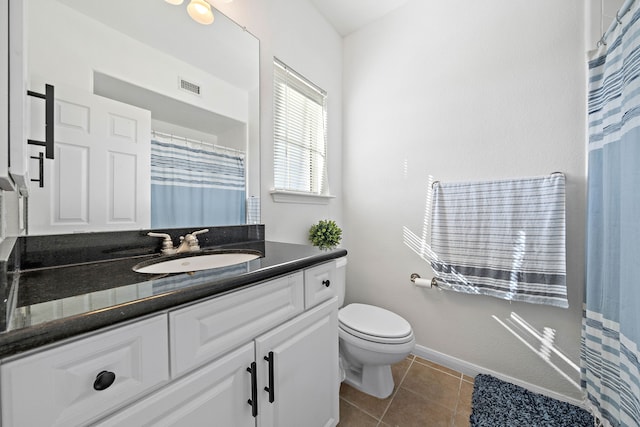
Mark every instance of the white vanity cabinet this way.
pixel 256 357
pixel 60 386
pixel 251 358
pixel 234 390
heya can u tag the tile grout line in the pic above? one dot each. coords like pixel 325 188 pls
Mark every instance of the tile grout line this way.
pixel 355 405
pixel 458 374
pixel 396 390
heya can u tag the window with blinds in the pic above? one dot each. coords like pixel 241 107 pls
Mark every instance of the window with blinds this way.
pixel 300 137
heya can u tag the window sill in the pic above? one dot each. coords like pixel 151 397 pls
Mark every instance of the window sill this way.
pixel 281 196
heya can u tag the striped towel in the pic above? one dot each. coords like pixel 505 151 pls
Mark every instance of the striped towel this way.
pixel 502 238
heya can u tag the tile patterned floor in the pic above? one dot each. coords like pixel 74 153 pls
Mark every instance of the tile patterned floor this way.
pixel 425 395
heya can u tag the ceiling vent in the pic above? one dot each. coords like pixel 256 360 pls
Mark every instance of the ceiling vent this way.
pixel 190 87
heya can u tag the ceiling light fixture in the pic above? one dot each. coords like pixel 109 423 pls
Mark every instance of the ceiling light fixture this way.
pixel 200 11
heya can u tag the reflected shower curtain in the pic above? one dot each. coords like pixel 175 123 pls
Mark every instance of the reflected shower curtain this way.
pixel 193 187
pixel 611 325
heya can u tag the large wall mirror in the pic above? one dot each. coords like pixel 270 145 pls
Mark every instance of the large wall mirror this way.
pixel 156 117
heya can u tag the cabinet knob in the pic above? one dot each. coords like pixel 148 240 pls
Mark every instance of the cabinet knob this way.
pixel 104 380
pixel 327 283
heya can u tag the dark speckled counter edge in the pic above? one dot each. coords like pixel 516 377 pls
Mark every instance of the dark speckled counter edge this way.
pixel 21 340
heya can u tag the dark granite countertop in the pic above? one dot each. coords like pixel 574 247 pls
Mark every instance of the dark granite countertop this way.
pixel 46 303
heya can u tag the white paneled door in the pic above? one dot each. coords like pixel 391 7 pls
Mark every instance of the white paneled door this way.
pixel 100 177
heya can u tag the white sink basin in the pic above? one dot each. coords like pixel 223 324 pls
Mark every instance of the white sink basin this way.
pixel 195 262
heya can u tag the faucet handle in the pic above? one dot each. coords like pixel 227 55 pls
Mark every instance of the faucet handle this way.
pixel 167 243
pixel 195 233
pixel 192 240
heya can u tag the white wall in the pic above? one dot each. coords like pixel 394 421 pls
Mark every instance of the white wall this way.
pixel 461 91
pixel 296 33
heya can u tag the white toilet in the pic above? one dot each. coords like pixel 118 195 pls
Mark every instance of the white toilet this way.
pixel 371 340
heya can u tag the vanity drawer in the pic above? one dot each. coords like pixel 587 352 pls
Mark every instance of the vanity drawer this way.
pixel 321 282
pixel 204 331
pixel 59 387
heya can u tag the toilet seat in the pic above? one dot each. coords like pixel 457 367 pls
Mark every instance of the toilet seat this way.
pixel 375 324
pixel 371 338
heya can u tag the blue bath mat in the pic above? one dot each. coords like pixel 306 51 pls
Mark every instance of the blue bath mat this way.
pixel 496 403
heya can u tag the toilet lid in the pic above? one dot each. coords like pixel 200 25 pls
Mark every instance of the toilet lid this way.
pixel 374 321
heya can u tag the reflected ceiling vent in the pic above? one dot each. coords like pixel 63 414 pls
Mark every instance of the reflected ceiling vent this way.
pixel 188 86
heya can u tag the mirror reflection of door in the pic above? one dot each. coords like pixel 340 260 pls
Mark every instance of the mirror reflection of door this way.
pixel 100 178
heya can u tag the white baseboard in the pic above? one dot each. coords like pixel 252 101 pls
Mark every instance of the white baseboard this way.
pixel 472 370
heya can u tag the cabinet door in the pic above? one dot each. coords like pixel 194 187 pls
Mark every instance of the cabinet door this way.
pixel 216 395
pixel 60 386
pixel 304 357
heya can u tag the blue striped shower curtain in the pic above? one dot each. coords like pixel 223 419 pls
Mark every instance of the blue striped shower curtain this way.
pixel 193 188
pixel 611 324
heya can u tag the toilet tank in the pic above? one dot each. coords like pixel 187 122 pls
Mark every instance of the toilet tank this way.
pixel 340 279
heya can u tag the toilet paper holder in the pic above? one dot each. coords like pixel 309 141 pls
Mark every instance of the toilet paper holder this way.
pixel 418 281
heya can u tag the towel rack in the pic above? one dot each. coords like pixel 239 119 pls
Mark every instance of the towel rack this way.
pixel 433 184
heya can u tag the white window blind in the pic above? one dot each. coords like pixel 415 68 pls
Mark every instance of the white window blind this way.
pixel 300 137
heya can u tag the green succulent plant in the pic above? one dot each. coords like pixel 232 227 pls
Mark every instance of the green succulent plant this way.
pixel 325 234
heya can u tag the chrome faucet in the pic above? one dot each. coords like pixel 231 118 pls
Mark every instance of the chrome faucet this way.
pixel 188 242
